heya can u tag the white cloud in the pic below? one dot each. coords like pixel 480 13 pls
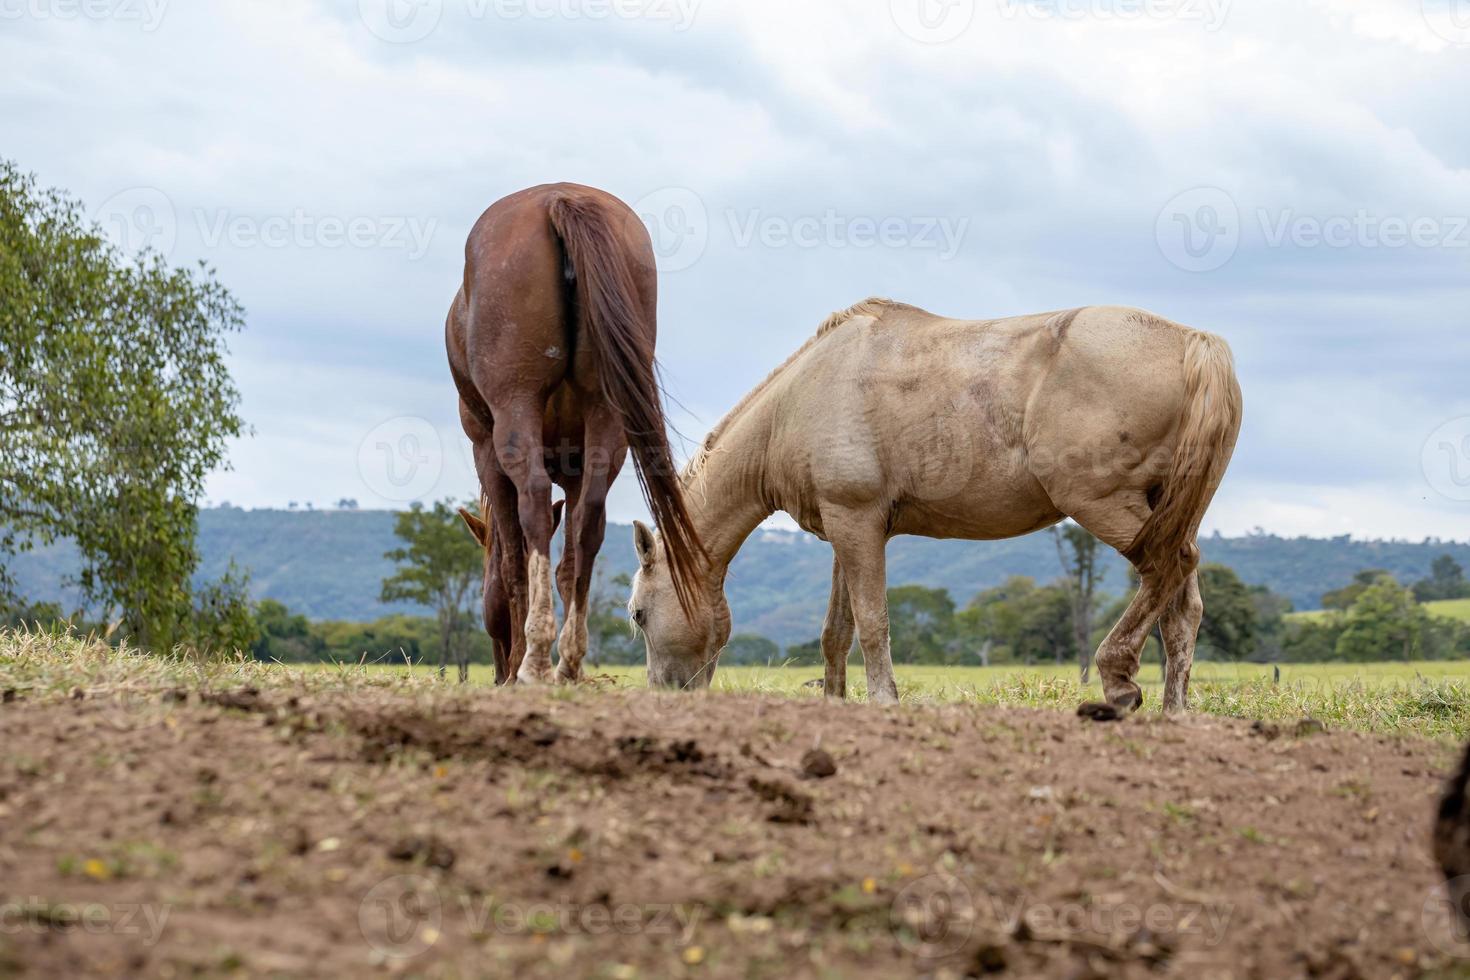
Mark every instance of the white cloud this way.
pixel 1055 131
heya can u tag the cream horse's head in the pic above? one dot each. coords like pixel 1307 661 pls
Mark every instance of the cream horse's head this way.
pixel 682 645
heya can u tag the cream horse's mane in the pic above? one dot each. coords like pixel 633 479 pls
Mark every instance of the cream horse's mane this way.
pixel 874 306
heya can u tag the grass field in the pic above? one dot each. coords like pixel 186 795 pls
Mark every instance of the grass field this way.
pixel 1430 698
pixel 1458 609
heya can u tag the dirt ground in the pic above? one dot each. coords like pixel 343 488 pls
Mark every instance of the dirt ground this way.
pixel 622 834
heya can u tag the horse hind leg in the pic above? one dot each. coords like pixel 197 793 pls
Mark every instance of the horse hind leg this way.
pixel 1116 521
pixel 1180 629
pixel 837 634
pixel 586 519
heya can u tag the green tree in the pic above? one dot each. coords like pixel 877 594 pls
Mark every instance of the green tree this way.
pixel 750 649
pixel 224 616
pixel 806 654
pixel 609 640
pixel 1446 581
pixel 1271 610
pixel 439 567
pixel 1230 629
pixel 1077 550
pixel 115 404
pixel 920 624
pixel 1383 622
pixel 1019 621
pixel 1343 598
pixel 284 635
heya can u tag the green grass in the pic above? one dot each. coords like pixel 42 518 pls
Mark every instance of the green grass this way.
pixel 1450 609
pixel 1426 699
pixel 1431 698
pixel 1457 609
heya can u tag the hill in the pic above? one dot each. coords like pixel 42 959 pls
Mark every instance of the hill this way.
pixel 329 564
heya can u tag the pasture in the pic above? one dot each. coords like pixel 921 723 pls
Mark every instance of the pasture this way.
pixel 236 818
pixel 1431 699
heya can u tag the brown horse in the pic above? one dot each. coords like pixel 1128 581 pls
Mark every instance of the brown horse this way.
pixel 551 346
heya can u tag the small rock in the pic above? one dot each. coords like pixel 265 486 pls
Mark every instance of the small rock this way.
pixel 432 851
pixel 990 958
pixel 818 764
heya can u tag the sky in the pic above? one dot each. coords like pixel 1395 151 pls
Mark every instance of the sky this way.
pixel 1291 174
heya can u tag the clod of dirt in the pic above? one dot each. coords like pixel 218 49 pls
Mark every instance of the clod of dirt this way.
pixel 539 730
pixel 792 805
pixel 9 695
pixel 177 696
pixel 1308 726
pixel 990 958
pixel 1155 948
pixel 241 699
pixel 1266 730
pixel 1100 711
pixel 818 764
pixel 429 851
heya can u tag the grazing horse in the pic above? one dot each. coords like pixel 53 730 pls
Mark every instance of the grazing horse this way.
pixel 551 347
pixel 894 421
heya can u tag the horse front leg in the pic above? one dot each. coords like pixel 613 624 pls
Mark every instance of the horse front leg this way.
pixel 859 539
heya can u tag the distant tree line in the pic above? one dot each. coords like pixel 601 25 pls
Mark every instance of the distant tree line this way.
pixel 1373 618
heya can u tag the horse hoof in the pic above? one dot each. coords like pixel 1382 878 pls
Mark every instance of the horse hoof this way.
pixel 535 677
pixel 1100 711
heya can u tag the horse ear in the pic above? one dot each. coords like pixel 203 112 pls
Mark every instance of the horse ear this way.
pixel 644 543
pixel 556 510
pixel 476 526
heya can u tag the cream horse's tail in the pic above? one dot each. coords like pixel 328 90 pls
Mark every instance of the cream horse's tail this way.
pixel 1208 426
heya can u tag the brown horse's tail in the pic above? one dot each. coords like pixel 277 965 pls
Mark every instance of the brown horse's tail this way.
pixel 623 337
pixel 1207 430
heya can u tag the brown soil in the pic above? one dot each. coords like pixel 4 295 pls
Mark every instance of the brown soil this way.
pixel 619 834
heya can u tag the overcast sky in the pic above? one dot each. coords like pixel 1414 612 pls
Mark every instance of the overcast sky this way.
pixel 1291 174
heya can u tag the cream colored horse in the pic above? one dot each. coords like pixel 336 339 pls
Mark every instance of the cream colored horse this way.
pixel 894 421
